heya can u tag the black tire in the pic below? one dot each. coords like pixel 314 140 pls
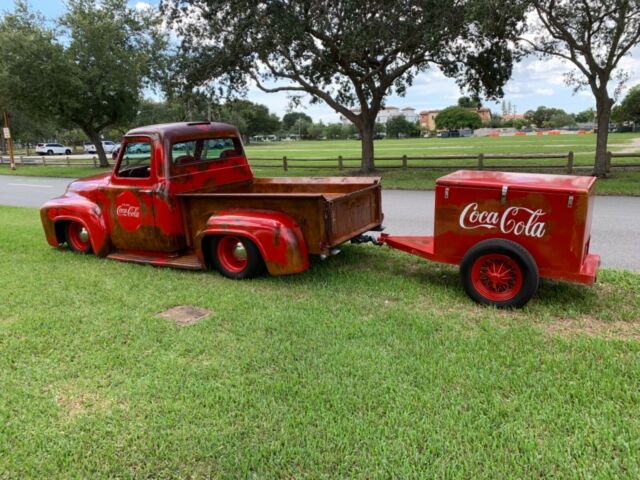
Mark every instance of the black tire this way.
pixel 229 266
pixel 515 285
pixel 67 152
pixel 49 152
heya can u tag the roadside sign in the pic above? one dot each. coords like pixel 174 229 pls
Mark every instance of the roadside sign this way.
pixel 6 133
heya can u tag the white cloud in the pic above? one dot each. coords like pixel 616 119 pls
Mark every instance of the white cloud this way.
pixel 547 92
pixel 143 6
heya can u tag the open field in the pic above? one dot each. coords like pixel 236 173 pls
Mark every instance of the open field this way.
pixel 583 147
pixel 372 364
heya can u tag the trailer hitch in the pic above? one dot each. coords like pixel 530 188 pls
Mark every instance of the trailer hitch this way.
pixel 366 239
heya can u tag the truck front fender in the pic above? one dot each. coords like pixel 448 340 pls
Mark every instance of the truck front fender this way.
pixel 276 235
pixel 75 208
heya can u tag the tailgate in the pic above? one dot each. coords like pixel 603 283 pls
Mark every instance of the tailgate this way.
pixel 353 214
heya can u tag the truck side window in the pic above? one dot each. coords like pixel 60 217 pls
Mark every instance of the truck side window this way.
pixel 204 150
pixel 136 161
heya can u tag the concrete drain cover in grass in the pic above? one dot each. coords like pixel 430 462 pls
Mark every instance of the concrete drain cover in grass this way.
pixel 185 315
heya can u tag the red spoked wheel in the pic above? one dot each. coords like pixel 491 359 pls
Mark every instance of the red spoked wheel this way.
pixel 496 277
pixel 236 257
pixel 78 237
pixel 499 272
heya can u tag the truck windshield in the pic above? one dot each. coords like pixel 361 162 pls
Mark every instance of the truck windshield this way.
pixel 204 150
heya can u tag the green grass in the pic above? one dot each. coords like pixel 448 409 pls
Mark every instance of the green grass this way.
pixel 373 364
pixel 621 182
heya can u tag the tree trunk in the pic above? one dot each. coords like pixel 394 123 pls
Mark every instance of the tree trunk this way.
pixel 603 113
pixel 366 128
pixel 97 142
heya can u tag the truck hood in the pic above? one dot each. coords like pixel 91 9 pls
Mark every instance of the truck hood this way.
pixel 89 183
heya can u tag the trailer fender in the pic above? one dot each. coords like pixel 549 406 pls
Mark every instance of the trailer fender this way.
pixel 277 236
pixel 75 208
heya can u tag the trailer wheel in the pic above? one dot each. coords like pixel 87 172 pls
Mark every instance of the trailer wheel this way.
pixel 500 273
pixel 78 237
pixel 236 257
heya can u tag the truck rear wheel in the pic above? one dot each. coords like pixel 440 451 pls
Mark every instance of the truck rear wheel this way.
pixel 236 257
pixel 78 237
pixel 500 273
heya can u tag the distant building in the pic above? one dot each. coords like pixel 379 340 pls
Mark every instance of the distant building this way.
pixel 409 113
pixel 428 117
pixel 513 116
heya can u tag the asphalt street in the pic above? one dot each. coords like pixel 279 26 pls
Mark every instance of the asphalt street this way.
pixel 615 230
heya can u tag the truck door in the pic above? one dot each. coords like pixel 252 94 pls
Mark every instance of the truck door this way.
pixel 130 197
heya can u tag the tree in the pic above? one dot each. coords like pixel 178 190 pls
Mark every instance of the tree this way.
pixel 256 118
pixel 630 106
pixel 559 120
pixel 594 35
pixel 92 76
pixel 468 102
pixel 342 52
pixel 334 131
pixel 454 118
pixel 540 116
pixel 586 116
pixel 399 125
pixel 289 119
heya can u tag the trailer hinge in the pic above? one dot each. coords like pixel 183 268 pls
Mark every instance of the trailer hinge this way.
pixel 446 193
pixel 503 197
pixel 570 201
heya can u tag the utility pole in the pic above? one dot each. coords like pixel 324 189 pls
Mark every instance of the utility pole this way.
pixel 7 135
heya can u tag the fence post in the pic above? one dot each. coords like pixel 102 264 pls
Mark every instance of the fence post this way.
pixel 404 162
pixel 68 161
pixel 607 167
pixel 570 163
pixel 44 162
pixel 1 159
pixel 285 164
pixel 42 157
pixel 481 161
pixel 94 161
pixel 339 162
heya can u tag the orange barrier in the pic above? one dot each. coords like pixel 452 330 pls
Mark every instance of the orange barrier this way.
pixel 554 132
pixel 493 135
pixel 521 134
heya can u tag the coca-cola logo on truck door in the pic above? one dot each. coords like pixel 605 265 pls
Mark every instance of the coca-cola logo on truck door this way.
pixel 128 211
pixel 514 220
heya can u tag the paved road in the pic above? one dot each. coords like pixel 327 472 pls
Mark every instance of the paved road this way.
pixel 615 229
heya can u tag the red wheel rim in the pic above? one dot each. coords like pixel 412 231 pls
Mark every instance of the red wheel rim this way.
pixel 496 277
pixel 79 237
pixel 231 254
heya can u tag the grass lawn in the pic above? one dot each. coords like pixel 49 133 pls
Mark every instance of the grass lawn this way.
pixel 620 182
pixel 372 364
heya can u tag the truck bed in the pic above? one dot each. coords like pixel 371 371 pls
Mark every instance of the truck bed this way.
pixel 329 210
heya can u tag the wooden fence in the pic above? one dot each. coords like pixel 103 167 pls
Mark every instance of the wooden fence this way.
pixel 480 161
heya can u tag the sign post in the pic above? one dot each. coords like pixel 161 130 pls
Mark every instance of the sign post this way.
pixel 7 136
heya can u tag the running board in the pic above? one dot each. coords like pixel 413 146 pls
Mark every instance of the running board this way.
pixel 188 262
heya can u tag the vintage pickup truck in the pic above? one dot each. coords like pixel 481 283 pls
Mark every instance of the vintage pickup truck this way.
pixel 184 195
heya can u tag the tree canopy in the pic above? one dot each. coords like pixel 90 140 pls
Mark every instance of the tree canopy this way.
pixel 594 35
pixel 342 52
pixel 630 106
pixel 454 118
pixel 91 71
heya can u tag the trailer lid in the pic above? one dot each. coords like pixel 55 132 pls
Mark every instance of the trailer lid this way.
pixel 526 181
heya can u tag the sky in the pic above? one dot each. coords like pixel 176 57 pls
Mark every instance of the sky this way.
pixel 534 82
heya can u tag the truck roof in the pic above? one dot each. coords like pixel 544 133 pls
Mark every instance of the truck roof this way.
pixel 525 181
pixel 182 130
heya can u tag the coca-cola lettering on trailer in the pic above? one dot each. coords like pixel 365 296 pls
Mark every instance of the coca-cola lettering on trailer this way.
pixel 128 213
pixel 519 221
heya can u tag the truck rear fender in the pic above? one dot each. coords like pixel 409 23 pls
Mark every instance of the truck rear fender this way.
pixel 75 208
pixel 276 235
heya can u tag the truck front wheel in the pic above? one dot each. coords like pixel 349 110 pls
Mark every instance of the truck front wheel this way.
pixel 500 273
pixel 236 257
pixel 77 237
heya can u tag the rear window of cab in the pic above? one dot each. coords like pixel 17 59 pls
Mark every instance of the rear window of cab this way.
pixel 205 150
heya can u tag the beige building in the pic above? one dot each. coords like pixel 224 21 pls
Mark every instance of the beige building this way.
pixel 428 117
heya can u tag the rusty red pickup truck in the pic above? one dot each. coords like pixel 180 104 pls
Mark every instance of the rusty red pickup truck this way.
pixel 184 195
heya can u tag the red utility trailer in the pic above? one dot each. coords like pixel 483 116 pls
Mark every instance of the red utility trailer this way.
pixel 506 230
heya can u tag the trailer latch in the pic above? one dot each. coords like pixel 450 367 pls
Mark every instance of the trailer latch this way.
pixel 446 193
pixel 503 197
pixel 570 201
